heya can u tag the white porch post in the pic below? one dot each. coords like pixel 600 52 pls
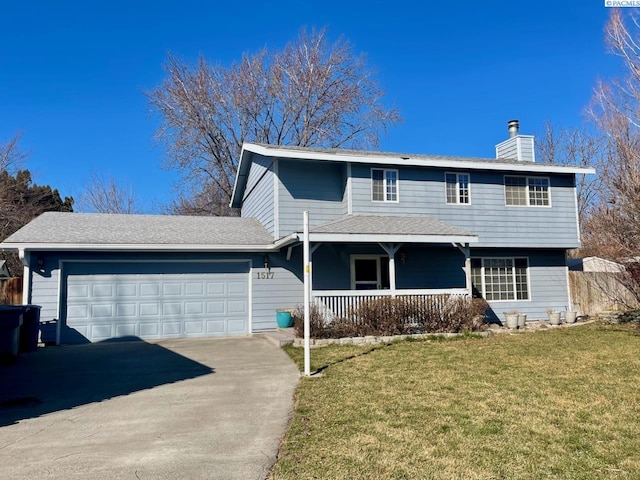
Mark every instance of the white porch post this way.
pixel 307 294
pixel 467 267
pixel 391 251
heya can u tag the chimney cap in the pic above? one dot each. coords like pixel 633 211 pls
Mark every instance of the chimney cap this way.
pixel 514 127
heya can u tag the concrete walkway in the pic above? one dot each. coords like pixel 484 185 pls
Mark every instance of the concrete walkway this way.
pixel 196 409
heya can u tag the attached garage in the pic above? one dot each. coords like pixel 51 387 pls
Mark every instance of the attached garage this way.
pixel 99 277
pixel 160 300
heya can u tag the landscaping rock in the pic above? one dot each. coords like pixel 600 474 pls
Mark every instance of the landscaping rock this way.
pixel 531 326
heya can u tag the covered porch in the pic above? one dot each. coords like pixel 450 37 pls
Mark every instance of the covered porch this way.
pixel 361 258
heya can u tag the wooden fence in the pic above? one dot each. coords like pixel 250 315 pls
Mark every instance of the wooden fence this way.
pixel 596 292
pixel 11 291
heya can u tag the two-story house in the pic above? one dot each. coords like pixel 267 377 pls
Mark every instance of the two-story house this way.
pixel 380 224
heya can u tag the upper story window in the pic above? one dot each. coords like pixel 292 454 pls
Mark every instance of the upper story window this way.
pixel 457 187
pixel 501 278
pixel 526 191
pixel 384 185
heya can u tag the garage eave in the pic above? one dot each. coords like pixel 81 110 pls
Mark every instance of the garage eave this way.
pixel 119 247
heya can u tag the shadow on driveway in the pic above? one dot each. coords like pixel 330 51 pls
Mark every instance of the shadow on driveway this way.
pixel 60 378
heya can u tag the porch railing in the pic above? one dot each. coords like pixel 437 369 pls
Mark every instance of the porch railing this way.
pixel 338 303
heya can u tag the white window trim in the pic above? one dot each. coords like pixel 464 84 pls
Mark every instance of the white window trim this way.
pixel 379 259
pixel 527 177
pixel 457 174
pixel 384 185
pixel 482 289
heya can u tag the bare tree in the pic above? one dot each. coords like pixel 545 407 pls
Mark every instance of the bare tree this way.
pixel 612 230
pixel 580 147
pixel 614 227
pixel 311 93
pixel 620 97
pixel 12 157
pixel 208 201
pixel 104 195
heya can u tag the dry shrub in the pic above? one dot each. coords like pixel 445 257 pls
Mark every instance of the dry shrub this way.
pixel 317 323
pixel 397 316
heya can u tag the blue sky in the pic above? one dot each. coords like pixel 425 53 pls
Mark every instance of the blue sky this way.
pixel 72 74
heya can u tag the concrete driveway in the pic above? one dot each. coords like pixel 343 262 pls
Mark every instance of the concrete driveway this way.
pixel 192 409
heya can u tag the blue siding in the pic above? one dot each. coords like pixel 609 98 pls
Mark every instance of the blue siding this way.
pixel 318 187
pixel 259 198
pixel 430 267
pixel 282 290
pixel 44 287
pixel 439 267
pixel 548 282
pixel 425 266
pixel 422 193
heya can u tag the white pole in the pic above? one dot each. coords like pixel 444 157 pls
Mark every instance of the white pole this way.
pixel 307 295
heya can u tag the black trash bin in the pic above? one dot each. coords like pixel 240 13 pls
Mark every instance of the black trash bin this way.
pixel 10 322
pixel 30 328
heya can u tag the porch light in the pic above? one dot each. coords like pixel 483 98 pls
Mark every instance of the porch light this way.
pixel 403 257
pixel 266 262
pixel 40 261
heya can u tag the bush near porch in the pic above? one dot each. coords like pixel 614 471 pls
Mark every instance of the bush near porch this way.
pixel 398 316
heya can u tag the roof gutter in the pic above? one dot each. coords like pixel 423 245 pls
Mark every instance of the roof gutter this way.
pixel 422 161
pixel 392 238
pixel 122 247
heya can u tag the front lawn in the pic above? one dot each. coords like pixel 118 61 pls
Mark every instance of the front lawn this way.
pixel 561 404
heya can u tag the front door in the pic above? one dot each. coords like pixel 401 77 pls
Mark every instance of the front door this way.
pixel 369 272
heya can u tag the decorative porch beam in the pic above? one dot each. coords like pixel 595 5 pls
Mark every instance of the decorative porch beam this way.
pixel 391 250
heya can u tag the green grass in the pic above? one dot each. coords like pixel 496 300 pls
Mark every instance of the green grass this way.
pixel 560 404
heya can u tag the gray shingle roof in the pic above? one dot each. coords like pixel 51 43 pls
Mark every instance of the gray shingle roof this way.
pixel 112 229
pixel 388 225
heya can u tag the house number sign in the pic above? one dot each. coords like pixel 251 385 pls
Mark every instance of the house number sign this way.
pixel 265 275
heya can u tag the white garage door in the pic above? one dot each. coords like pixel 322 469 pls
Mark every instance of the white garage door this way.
pixel 149 301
